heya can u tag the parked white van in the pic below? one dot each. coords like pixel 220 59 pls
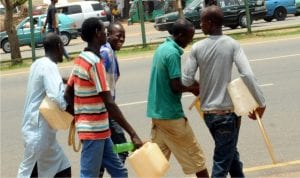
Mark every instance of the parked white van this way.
pixel 82 10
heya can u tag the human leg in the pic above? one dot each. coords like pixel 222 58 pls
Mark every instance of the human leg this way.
pixel 34 173
pixel 118 137
pixel 66 173
pixel 225 134
pixel 236 169
pixel 156 137
pixel 66 54
pixel 102 170
pixel 28 166
pixel 179 138
pixel 111 162
pixel 91 157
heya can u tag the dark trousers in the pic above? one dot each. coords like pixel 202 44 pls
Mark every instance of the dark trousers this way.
pixel 225 132
pixel 64 173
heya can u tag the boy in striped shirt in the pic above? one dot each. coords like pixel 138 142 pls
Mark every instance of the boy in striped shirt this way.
pixel 92 105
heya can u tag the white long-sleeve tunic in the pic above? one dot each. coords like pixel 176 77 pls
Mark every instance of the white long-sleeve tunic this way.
pixel 40 142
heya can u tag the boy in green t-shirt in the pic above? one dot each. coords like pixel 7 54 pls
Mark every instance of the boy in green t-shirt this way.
pixel 171 129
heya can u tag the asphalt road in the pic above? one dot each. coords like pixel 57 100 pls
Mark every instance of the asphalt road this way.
pixel 276 64
pixel 133 35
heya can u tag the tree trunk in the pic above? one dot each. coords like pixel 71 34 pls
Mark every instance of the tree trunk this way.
pixel 126 9
pixel 12 33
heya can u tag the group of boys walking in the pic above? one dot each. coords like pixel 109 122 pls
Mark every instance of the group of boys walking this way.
pixel 99 121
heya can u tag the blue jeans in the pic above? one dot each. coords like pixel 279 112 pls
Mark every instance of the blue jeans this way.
pixel 97 152
pixel 117 136
pixel 225 131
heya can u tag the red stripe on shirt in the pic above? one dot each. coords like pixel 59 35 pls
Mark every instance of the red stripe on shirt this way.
pixel 91 117
pixel 101 74
pixel 94 135
pixel 88 100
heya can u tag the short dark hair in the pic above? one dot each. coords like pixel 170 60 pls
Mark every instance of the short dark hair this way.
pixel 112 26
pixel 89 28
pixel 51 42
pixel 214 14
pixel 181 25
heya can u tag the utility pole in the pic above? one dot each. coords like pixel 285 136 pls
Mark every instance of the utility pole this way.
pixel 141 15
pixel 31 30
pixel 248 16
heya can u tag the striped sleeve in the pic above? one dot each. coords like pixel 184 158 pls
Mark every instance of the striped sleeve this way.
pixel 71 79
pixel 98 76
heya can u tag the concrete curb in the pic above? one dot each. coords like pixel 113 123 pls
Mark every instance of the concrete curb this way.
pixel 196 37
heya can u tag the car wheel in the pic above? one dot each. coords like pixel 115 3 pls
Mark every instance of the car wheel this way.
pixel 280 14
pixel 5 46
pixel 65 38
pixel 243 20
pixel 268 19
pixel 37 45
pixel 233 26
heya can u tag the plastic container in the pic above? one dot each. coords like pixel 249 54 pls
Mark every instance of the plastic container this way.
pixel 197 104
pixel 242 99
pixel 149 161
pixel 56 118
pixel 123 147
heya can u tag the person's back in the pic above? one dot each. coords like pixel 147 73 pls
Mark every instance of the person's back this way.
pixel 52 21
pixel 92 105
pixel 36 91
pixel 43 157
pixel 51 18
pixel 165 66
pixel 218 53
pixel 90 114
pixel 50 11
pixel 170 128
pixel 214 57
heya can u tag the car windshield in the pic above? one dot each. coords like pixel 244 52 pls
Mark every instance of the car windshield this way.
pixel 194 4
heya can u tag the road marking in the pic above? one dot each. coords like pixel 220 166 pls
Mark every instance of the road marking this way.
pixel 266 85
pixel 132 103
pixel 269 41
pixel 275 57
pixel 184 96
pixel 270 166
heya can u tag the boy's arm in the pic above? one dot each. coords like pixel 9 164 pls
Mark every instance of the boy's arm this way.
pixel 177 87
pixel 115 112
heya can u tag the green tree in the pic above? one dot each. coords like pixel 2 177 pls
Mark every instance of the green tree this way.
pixel 10 29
